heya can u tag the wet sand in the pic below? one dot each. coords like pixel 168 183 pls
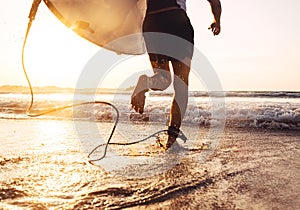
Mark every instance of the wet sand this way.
pixel 250 169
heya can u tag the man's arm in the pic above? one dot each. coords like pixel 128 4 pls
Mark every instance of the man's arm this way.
pixel 216 9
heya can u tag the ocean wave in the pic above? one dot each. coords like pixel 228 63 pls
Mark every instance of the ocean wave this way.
pixel 258 113
pixel 244 94
pixel 266 94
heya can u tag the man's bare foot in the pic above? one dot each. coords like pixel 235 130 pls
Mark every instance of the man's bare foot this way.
pixel 138 96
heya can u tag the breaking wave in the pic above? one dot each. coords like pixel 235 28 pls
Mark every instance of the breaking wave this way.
pixel 274 110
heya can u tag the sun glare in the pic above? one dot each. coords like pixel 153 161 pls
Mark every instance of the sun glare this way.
pixel 54 52
pixel 53 135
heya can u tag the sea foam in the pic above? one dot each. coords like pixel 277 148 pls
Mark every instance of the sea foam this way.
pixel 279 110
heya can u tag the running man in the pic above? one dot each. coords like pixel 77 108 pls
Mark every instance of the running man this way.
pixel 169 17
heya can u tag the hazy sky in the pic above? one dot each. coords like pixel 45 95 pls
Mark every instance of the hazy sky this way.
pixel 258 48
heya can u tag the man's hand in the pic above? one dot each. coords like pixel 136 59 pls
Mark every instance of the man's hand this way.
pixel 216 9
pixel 215 28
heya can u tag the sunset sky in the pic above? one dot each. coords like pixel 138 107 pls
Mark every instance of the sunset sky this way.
pixel 258 48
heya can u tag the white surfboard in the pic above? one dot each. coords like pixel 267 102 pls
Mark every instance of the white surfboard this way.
pixel 113 24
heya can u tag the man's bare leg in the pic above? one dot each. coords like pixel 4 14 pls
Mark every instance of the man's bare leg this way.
pixel 180 99
pixel 161 80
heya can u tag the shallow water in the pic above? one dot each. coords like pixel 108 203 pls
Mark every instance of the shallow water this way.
pixel 43 166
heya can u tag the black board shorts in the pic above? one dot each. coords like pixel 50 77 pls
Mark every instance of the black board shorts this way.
pixel 173 22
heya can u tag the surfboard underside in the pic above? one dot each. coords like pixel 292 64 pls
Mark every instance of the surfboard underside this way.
pixel 113 24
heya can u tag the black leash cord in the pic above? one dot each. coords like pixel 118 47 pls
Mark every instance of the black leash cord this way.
pixel 121 144
pixel 29 110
